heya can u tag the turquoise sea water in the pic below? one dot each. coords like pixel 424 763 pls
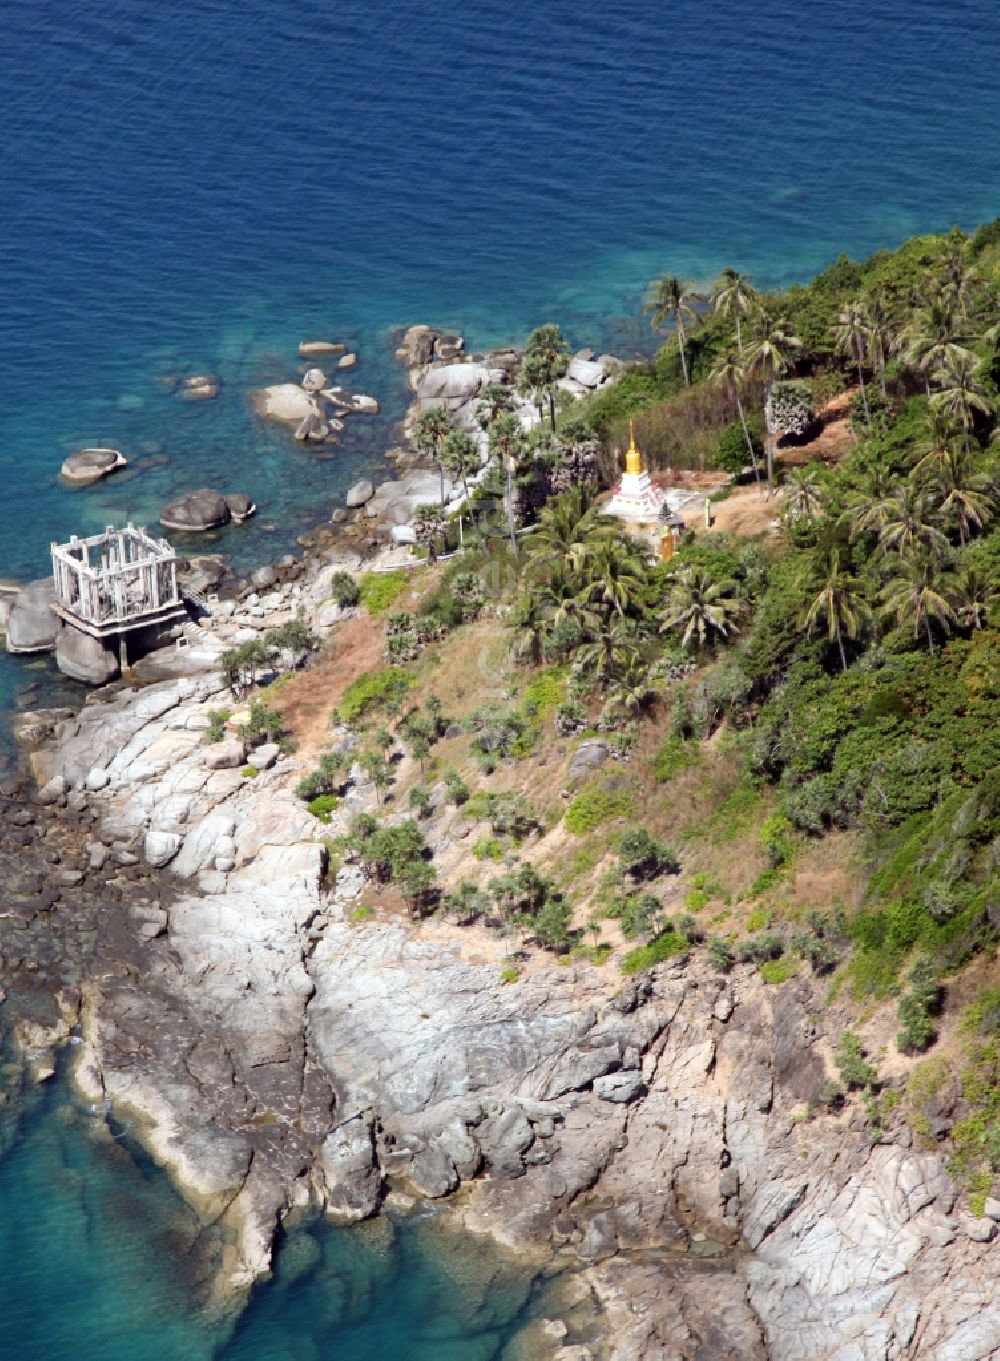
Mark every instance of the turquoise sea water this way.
pixel 192 188
pixel 100 1261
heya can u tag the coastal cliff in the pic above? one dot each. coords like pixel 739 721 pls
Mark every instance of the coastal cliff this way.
pixel 282 1051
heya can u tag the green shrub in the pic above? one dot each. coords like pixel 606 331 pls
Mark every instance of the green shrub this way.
pixel 373 689
pixel 344 590
pixel 488 848
pixel 778 970
pixel 509 974
pixel 731 454
pixel 322 806
pixel 665 946
pixel 674 755
pixel 379 591
pixel 217 720
pixel 544 694
pixel 458 790
pixel 761 947
pixel 594 806
pixel 855 1071
pixel 720 953
pixel 249 772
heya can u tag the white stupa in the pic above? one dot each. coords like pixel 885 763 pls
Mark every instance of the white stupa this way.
pixel 636 498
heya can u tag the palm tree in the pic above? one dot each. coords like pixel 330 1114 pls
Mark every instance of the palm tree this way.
pixel 920 591
pixel 932 337
pixel 966 494
pixel 769 354
pixel 567 529
pixel 957 278
pixel 870 506
pixel 670 298
pixel 908 523
pixel 977 596
pixel 615 569
pixel 631 689
pixel 493 400
pixel 606 651
pixel 507 447
pixel 961 395
pixel 936 448
pixel 729 373
pixel 459 456
pixel 851 336
pixel 838 604
pixel 528 619
pixel 734 297
pixel 430 429
pixel 699 607
pixel 545 360
pixel 804 497
pixel 882 333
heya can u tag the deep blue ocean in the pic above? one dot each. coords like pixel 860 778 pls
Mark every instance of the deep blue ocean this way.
pixel 198 188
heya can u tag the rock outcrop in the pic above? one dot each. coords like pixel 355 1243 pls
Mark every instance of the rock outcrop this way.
pixel 196 511
pixel 656 1134
pixel 84 658
pixel 31 625
pixel 91 465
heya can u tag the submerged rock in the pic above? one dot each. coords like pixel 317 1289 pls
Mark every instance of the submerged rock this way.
pixel 308 348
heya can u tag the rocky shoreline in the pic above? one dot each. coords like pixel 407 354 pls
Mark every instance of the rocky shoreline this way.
pixel 283 1055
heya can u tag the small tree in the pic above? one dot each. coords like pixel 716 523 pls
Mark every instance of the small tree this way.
pixel 430 527
pixel 378 770
pixel 295 638
pixel 344 590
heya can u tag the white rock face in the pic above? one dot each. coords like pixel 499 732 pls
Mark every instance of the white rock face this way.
pixel 285 402
pixel 456 383
pixel 225 755
pixel 273 1049
pixel 159 848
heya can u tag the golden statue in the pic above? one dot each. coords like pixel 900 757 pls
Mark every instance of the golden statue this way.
pixel 633 459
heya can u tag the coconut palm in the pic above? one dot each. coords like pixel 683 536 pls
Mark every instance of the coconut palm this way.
pixel 729 373
pixel 529 619
pixel 851 338
pixel 631 689
pixel 883 335
pixel 921 592
pixel 976 597
pixel 699 607
pixel 772 348
pixel 933 336
pixel 936 446
pixel 606 652
pixel 967 495
pixel 804 497
pixel 670 299
pixel 545 360
pixel 430 429
pixel 957 279
pixel 870 505
pixel 567 528
pixel 734 297
pixel 615 570
pixel 961 393
pixel 838 605
pixel 908 523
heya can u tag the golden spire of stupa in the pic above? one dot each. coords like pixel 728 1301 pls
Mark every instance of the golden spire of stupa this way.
pixel 633 459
